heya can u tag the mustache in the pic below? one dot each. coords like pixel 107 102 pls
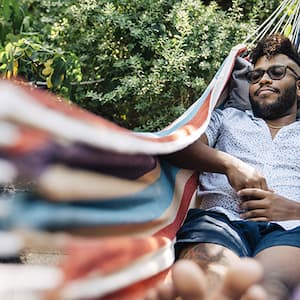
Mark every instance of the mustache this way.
pixel 268 88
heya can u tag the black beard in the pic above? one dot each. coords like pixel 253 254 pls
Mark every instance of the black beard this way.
pixel 276 109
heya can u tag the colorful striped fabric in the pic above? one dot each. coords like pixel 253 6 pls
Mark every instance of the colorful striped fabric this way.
pixel 101 182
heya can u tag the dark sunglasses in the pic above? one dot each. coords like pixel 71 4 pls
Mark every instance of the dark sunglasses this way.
pixel 275 72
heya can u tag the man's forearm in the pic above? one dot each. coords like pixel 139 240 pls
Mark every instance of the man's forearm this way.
pixel 201 157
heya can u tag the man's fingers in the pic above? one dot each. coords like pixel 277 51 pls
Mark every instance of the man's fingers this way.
pixel 253 204
pixel 255 215
pixel 261 219
pixel 253 192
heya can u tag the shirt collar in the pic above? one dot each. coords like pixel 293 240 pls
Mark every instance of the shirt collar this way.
pixel 251 115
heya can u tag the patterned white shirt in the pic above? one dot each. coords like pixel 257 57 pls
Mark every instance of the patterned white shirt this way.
pixel 249 139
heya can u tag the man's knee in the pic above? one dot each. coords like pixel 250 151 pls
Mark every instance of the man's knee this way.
pixel 213 259
pixel 207 254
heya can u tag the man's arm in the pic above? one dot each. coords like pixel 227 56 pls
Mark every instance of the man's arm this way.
pixel 199 156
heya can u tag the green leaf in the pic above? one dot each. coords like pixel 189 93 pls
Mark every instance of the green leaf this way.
pixel 6 13
pixel 288 30
pixel 59 72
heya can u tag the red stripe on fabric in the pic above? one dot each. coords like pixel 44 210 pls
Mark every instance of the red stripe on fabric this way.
pixel 137 291
pixel 170 230
pixel 106 255
pixel 59 104
pixel 28 141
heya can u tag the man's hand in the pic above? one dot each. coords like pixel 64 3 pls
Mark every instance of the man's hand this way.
pixel 264 205
pixel 241 175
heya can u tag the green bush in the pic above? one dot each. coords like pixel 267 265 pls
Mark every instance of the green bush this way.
pixel 258 10
pixel 26 53
pixel 137 63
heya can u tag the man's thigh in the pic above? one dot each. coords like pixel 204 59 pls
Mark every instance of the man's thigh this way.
pixel 281 266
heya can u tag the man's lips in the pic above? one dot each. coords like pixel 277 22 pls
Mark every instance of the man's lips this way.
pixel 266 90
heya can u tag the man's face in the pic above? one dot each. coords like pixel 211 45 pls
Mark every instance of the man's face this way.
pixel 270 98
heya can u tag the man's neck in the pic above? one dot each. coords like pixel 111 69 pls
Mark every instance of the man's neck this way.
pixel 284 120
pixel 281 122
pixel 276 124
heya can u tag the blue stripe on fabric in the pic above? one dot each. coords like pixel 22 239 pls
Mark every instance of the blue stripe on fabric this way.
pixel 32 212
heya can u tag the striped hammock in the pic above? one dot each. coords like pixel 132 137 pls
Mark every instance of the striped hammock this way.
pixel 102 198
pixel 95 179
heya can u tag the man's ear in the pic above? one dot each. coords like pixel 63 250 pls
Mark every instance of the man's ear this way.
pixel 298 87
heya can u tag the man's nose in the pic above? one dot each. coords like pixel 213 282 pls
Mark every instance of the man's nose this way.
pixel 265 78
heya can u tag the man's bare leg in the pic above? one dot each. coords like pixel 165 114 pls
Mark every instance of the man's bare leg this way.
pixel 281 266
pixel 190 283
pixel 213 259
pixel 210 271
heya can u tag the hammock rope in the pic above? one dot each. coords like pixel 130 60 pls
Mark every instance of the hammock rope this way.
pixel 284 20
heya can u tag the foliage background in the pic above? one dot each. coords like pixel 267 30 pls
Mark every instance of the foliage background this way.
pixel 137 63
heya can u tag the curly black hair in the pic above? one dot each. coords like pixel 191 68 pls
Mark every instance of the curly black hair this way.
pixel 272 45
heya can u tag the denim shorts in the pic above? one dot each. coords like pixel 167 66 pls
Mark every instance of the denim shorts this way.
pixel 245 238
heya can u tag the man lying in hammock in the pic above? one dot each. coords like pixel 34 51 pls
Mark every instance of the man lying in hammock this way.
pixel 250 190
